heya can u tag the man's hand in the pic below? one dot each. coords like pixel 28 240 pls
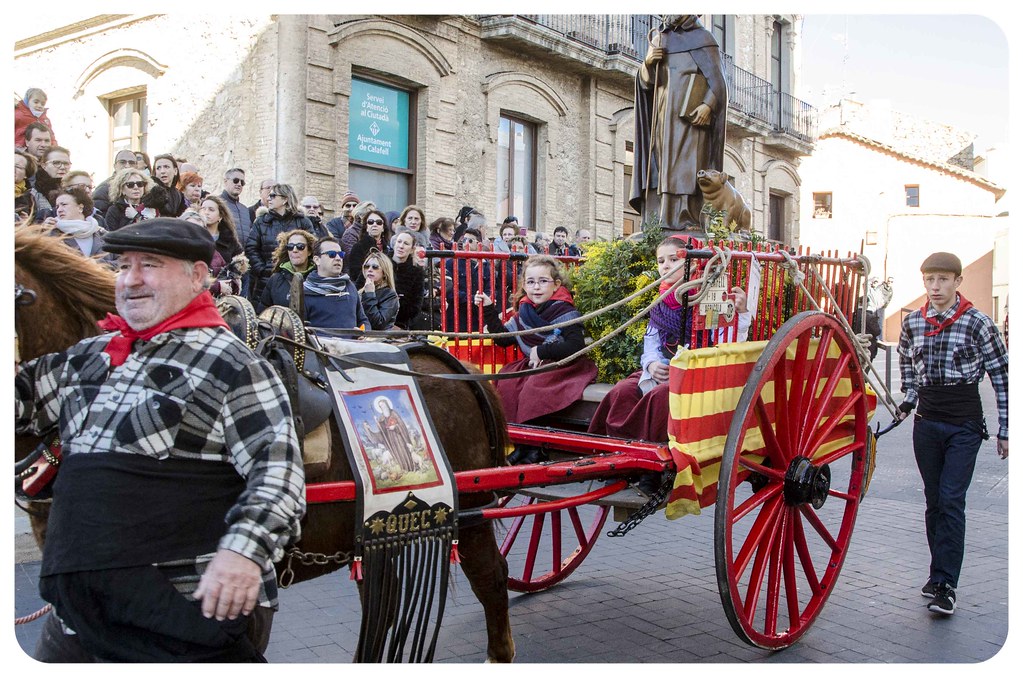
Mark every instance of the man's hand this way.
pixel 229 586
pixel 1003 448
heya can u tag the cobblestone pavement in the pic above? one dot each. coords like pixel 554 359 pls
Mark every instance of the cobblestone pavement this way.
pixel 652 596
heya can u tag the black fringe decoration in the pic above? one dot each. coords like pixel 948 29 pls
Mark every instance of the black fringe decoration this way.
pixel 404 587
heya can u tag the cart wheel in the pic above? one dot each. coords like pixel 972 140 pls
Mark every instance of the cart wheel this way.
pixel 545 538
pixel 790 483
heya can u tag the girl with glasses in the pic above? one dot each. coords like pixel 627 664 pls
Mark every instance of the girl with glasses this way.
pixel 376 235
pixel 283 215
pixel 379 298
pixel 292 263
pixel 134 197
pixel 542 300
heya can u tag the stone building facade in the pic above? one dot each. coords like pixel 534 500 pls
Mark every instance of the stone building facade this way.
pixel 520 114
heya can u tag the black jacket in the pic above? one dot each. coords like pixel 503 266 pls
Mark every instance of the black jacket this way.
pixel 263 241
pixel 381 307
pixel 360 250
pixel 408 281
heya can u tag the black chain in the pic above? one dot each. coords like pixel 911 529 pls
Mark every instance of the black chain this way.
pixel 647 509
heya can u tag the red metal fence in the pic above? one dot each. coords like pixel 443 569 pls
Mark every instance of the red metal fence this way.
pixel 457 275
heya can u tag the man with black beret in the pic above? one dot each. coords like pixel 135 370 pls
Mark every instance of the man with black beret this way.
pixel 181 481
pixel 944 351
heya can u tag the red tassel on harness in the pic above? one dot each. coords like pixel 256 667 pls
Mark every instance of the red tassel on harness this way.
pixel 455 558
pixel 356 569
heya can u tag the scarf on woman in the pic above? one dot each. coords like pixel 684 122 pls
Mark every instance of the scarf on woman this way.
pixel 80 229
pixel 939 327
pixel 559 308
pixel 133 213
pixel 323 287
pixel 669 319
pixel 20 187
pixel 200 312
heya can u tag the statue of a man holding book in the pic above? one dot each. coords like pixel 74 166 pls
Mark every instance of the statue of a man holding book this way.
pixel 681 101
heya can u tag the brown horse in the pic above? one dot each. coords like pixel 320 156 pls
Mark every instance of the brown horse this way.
pixel 73 292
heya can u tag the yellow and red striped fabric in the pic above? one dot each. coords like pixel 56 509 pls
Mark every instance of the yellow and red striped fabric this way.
pixel 705 386
pixel 479 352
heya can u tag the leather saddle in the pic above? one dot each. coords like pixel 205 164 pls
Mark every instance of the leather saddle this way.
pixel 300 370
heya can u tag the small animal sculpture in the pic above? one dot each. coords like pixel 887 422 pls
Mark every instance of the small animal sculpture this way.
pixel 722 197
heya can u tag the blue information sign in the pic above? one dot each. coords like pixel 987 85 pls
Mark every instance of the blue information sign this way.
pixel 378 121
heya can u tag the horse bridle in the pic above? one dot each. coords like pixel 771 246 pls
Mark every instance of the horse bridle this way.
pixel 23 296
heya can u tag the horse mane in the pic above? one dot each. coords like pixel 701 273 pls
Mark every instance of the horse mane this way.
pixel 83 284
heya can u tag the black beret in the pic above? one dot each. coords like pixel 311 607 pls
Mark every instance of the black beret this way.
pixel 942 261
pixel 164 235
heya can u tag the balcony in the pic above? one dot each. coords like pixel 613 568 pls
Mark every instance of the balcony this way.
pixel 617 43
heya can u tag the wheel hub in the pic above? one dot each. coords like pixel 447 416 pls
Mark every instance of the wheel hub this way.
pixel 807 483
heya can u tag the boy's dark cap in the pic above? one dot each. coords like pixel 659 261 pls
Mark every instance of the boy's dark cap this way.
pixel 170 237
pixel 942 261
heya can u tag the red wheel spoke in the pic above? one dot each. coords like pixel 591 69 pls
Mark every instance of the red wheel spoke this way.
pixel 804 555
pixel 771 445
pixel 835 455
pixel 789 563
pixel 513 531
pixel 843 495
pixel 556 541
pixel 781 421
pixel 577 525
pixel 834 420
pixel 823 401
pixel 764 548
pixel 757 533
pixel 810 389
pixel 756 500
pixel 798 386
pixel 774 574
pixel 770 473
pixel 819 526
pixel 534 546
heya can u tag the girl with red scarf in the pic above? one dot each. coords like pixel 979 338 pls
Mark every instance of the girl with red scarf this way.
pixel 542 300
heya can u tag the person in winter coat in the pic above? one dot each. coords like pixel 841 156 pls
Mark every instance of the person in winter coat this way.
pixel 379 298
pixel 134 197
pixel 229 262
pixel 377 236
pixel 84 234
pixel 292 257
pixel 331 299
pixel 283 215
pixel 442 233
pixel 408 280
pixel 28 202
pixel 31 109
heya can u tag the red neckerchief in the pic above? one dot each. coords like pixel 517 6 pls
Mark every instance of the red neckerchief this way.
pixel 964 306
pixel 200 312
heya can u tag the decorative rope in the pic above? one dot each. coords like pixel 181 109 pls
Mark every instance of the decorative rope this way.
pixel 32 617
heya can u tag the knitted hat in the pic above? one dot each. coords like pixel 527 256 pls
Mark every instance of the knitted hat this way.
pixel 942 261
pixel 167 236
pixel 349 197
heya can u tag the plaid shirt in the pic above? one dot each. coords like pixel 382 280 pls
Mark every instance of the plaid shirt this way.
pixel 197 394
pixel 960 354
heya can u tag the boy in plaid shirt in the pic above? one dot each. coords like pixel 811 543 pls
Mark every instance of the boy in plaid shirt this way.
pixel 944 351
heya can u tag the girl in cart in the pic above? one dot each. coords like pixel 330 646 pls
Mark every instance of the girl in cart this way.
pixel 542 300
pixel 637 406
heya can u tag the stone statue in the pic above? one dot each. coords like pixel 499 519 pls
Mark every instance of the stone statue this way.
pixel 681 102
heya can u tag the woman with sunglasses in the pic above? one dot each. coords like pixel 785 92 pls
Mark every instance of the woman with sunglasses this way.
pixel 133 198
pixel 379 298
pixel 283 215
pixel 377 235
pixel 293 257
pixel 408 280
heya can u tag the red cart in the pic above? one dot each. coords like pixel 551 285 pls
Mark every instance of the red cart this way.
pixel 772 432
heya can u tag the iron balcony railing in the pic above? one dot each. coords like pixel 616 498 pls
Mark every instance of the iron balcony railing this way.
pixel 627 34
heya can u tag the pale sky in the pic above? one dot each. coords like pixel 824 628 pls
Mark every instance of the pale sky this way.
pixel 947 68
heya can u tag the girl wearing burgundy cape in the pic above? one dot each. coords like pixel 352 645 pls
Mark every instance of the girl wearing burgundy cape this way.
pixel 542 300
pixel 637 407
